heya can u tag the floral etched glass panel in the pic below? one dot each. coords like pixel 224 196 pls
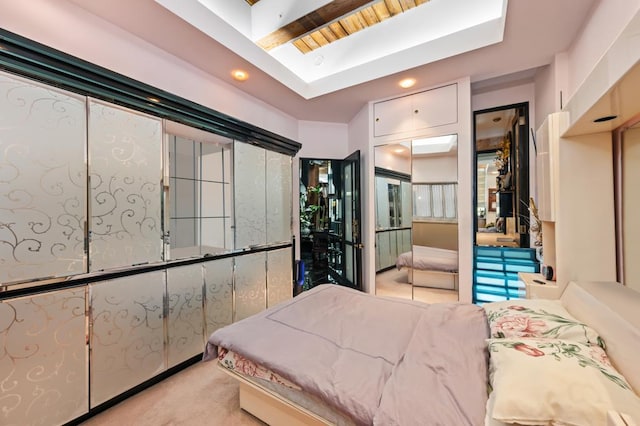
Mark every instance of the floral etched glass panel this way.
pixel 279 197
pixel 127 339
pixel 185 322
pixel 125 165
pixel 218 275
pixel 249 195
pixel 279 276
pixel 42 180
pixel 43 358
pixel 250 285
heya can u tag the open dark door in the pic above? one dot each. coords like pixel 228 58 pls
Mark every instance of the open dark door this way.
pixel 352 236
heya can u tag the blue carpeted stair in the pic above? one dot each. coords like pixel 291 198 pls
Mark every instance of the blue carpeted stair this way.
pixel 495 275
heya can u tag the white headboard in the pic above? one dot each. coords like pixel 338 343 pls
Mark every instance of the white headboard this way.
pixel 613 310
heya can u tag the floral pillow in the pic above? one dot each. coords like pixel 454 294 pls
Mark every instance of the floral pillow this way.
pixel 537 318
pixel 553 381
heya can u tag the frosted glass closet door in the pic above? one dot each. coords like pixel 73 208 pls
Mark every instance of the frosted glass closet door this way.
pixel 218 275
pixel 125 166
pixel 185 322
pixel 43 359
pixel 250 285
pixel 279 197
pixel 127 339
pixel 279 276
pixel 42 180
pixel 249 194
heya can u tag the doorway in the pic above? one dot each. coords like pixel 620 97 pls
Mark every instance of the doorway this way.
pixel 330 218
pixel 501 195
pixel 502 204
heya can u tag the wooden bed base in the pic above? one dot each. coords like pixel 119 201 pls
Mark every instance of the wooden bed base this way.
pixel 270 407
pixel 433 279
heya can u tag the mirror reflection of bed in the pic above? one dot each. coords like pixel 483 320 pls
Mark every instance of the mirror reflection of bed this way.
pixel 417 254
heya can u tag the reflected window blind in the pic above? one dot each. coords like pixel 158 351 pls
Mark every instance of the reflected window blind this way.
pixel 435 201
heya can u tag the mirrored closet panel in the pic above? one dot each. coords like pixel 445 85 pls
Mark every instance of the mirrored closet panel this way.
pixel 416 219
pixel 200 203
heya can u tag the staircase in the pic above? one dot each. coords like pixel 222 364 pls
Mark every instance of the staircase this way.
pixel 495 275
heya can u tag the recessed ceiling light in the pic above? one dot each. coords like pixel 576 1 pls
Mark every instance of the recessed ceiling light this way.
pixel 407 82
pixel 398 150
pixel 156 100
pixel 239 75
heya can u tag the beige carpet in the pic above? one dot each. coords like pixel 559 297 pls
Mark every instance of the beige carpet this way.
pixel 198 395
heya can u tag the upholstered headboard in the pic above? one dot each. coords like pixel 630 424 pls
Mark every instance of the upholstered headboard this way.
pixel 613 310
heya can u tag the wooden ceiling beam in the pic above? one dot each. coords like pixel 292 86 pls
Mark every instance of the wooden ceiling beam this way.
pixel 310 22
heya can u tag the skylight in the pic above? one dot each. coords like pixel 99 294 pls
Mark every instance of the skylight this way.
pixel 435 30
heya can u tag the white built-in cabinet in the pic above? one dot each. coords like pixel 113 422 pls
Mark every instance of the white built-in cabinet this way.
pixel 85 202
pixel 575 202
pixel 422 110
pixel 547 167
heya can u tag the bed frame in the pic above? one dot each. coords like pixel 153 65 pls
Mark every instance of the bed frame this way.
pixel 610 308
pixel 432 279
pixel 270 407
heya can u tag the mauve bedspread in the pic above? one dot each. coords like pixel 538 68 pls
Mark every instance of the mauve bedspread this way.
pixel 381 361
pixel 429 259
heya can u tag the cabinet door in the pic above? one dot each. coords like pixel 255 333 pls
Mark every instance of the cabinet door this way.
pixel 436 107
pixel 185 322
pixel 392 116
pixel 43 358
pixel 127 333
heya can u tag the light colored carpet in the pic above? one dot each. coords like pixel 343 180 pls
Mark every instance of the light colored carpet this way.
pixel 199 395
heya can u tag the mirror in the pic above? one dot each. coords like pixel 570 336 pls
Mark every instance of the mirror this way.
pixel 200 180
pixel 416 219
pixel 502 177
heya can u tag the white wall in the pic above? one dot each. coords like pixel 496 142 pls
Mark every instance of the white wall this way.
pixel 435 169
pixel 71 29
pixel 606 22
pixel 389 160
pixel 359 140
pixel 551 89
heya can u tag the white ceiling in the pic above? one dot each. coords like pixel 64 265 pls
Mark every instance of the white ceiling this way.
pixel 447 28
pixel 534 31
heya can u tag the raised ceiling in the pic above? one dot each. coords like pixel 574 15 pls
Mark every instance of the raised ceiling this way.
pixel 524 49
pixel 316 47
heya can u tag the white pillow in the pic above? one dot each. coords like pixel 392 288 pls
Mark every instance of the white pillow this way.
pixel 555 382
pixel 537 318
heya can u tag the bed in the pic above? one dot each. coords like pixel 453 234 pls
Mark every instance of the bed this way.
pixel 336 356
pixel 430 267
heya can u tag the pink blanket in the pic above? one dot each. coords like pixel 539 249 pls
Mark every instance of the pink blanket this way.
pixel 379 360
